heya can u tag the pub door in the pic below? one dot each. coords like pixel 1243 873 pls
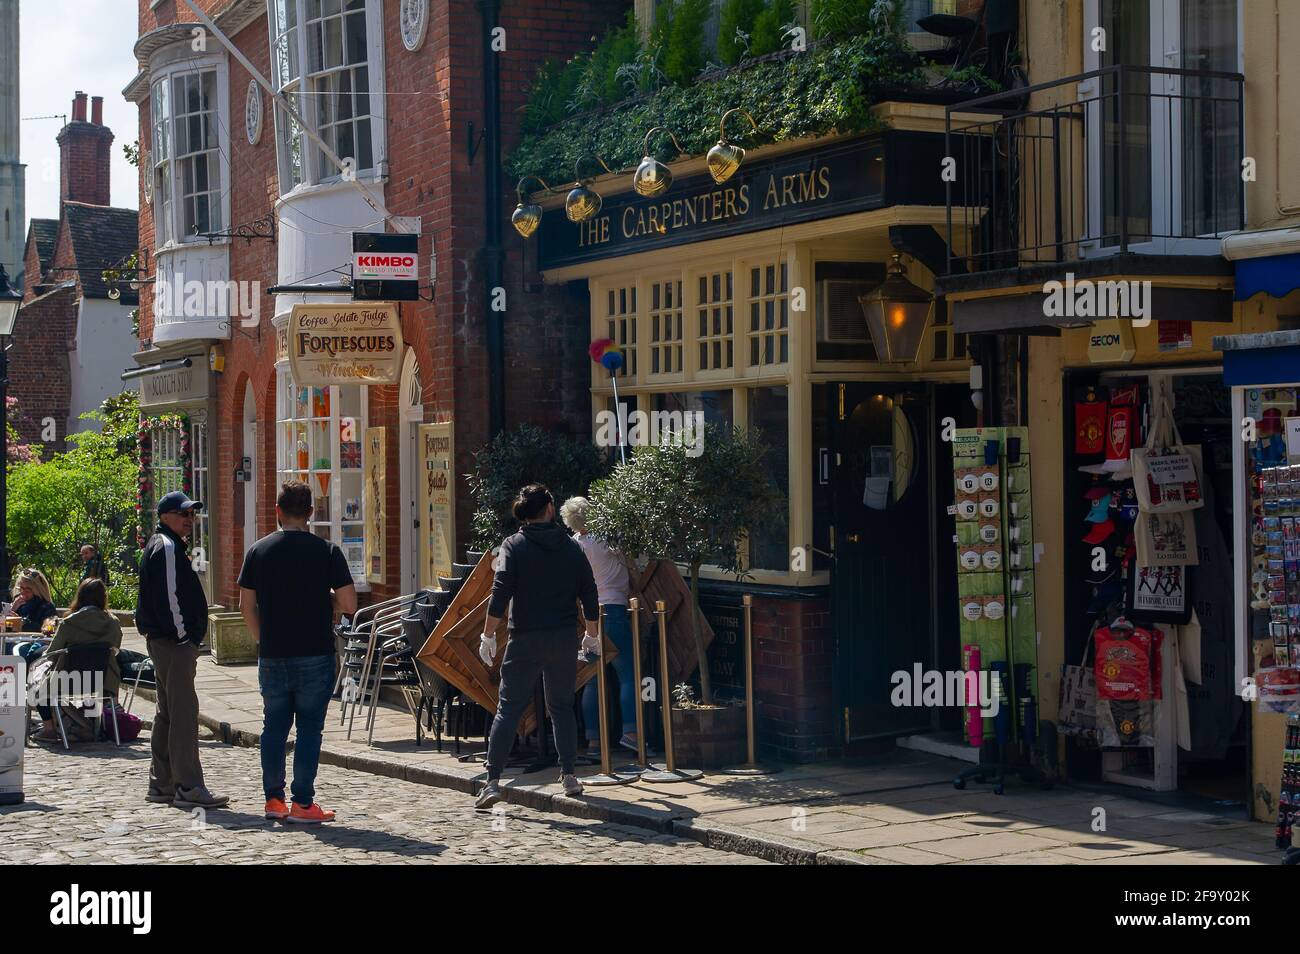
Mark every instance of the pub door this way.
pixel 882 491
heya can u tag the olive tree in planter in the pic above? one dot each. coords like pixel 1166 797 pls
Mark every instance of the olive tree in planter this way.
pixel 691 498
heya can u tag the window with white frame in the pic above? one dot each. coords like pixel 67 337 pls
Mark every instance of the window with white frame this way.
pixel 168 471
pixel 325 56
pixel 769 314
pixel 665 318
pixel 319 434
pixel 714 308
pixel 164 229
pixel 186 156
pixel 199 543
pixel 620 325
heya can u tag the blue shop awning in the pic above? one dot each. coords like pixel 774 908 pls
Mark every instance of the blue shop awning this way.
pixel 1259 360
pixel 1279 275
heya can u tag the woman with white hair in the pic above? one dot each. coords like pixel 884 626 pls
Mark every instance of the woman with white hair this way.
pixel 611 572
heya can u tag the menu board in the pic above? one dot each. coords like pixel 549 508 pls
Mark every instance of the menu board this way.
pixel 374 509
pixel 437 503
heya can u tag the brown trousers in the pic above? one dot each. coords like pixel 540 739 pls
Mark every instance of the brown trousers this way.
pixel 176 722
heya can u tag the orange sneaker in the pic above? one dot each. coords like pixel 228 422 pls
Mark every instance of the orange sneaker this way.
pixel 312 815
pixel 276 809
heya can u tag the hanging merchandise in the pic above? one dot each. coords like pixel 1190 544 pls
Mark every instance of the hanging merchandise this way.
pixel 1159 594
pixel 972 721
pixel 1089 424
pixel 1166 539
pixel 1166 473
pixel 1124 666
pixel 1278 689
pixel 1122 426
pixel 1078 708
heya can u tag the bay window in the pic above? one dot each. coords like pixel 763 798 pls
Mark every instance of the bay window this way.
pixel 319 433
pixel 326 56
pixel 187 161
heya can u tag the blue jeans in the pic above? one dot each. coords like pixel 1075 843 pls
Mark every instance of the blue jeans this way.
pixel 296 687
pixel 618 627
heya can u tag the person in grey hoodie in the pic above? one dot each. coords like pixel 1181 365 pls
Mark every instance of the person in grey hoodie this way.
pixel 88 623
pixel 541 574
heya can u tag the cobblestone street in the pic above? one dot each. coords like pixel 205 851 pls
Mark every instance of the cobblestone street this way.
pixel 87 806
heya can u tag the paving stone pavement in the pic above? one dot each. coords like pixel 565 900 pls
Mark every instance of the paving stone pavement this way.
pixel 86 806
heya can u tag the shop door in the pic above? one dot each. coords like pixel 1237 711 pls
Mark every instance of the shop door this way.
pixel 881 598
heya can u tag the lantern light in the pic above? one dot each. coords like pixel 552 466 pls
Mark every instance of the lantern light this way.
pixel 725 157
pixel 582 203
pixel 527 215
pixel 653 177
pixel 897 312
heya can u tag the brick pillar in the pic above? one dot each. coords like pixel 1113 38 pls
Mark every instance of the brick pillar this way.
pixel 793 684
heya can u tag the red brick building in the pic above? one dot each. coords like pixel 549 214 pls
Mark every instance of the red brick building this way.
pixel 401 88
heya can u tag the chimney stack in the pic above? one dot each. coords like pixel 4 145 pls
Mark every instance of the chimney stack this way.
pixel 84 154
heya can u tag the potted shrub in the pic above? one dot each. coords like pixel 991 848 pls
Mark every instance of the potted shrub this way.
pixel 692 498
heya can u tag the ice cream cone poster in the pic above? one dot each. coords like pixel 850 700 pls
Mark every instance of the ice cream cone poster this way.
pixel 374 505
pixel 437 503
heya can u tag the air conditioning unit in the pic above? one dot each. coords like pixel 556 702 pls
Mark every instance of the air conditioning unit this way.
pixel 839 316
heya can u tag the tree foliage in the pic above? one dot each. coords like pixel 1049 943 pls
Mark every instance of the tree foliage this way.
pixel 85 494
pixel 527 455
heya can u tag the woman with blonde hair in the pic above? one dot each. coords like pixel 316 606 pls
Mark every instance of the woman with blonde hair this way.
pixel 33 602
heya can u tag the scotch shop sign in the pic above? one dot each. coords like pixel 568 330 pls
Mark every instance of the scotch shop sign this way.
pixel 852 175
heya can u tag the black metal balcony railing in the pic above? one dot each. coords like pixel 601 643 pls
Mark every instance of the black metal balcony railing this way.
pixel 1125 158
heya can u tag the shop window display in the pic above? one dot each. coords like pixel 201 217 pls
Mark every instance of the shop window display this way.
pixel 319 442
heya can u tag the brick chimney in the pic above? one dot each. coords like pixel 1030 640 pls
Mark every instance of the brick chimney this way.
pixel 84 151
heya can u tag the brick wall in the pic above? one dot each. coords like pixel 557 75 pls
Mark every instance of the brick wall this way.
pixel 38 363
pixel 793 666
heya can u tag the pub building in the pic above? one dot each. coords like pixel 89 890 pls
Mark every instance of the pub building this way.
pixel 746 301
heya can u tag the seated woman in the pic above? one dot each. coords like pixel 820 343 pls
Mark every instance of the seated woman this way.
pixel 33 602
pixel 88 623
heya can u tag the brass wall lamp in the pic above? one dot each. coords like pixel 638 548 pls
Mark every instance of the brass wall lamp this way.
pixel 527 215
pixel 652 177
pixel 725 157
pixel 582 203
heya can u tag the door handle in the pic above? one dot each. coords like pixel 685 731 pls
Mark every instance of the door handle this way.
pixel 854 538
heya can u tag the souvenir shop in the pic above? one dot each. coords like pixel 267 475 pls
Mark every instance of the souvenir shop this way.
pixel 1149 572
pixel 1263 371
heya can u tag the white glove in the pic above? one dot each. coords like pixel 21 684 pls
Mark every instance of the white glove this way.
pixel 487 649
pixel 590 644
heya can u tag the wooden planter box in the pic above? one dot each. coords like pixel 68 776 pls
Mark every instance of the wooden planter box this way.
pixel 230 639
pixel 709 738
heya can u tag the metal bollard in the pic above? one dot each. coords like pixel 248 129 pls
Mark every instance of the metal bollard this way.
pixel 751 766
pixel 668 772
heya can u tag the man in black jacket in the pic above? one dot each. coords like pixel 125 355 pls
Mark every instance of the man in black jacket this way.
pixel 172 614
pixel 541 574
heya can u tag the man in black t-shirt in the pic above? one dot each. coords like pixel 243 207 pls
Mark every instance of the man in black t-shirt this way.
pixel 292 587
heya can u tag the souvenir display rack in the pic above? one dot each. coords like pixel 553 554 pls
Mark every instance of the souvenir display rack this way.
pixel 995 585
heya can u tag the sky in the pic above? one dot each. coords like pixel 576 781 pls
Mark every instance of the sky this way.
pixel 70 45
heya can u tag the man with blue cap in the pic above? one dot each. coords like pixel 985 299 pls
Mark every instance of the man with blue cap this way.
pixel 172 614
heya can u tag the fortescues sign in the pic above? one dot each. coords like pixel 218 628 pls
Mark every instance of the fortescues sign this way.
pixel 355 343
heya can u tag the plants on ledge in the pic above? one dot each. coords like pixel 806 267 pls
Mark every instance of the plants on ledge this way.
pixel 826 89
